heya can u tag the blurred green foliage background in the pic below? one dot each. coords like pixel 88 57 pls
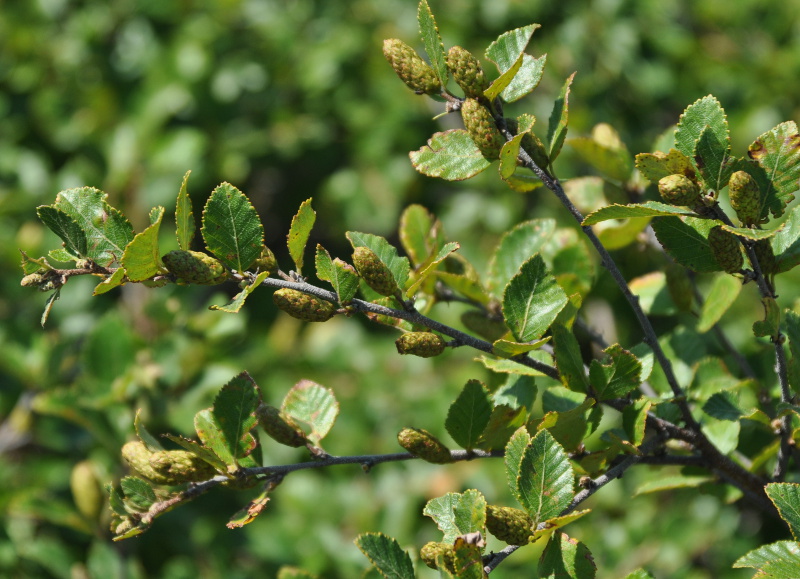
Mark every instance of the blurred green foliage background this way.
pixel 289 100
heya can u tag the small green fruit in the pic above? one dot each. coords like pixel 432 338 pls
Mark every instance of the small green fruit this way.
pixel 86 491
pixel 409 66
pixel 424 445
pixel 280 427
pixel 194 267
pixel 431 551
pixel 422 344
pixel 508 524
pixel 726 249
pixel 303 306
pixel 745 198
pixel 679 190
pixel 482 129
pixel 375 273
pixel 467 72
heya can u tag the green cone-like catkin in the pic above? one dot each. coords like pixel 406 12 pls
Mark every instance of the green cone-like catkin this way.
pixel 303 306
pixel 509 524
pixel 679 190
pixel 422 344
pixel 194 267
pixel 374 271
pixel 431 551
pixel 280 427
pixel 745 198
pixel 423 444
pixel 726 249
pixel 467 72
pixel 409 66
pixel 481 128
pixel 181 466
pixel 137 455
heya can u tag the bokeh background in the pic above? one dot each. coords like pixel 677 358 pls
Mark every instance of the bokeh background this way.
pixel 291 100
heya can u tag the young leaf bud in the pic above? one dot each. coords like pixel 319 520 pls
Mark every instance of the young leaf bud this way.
pixel 303 306
pixel 481 324
pixel 374 271
pixel 431 551
pixel 745 198
pixel 480 125
pixel 678 189
pixel 508 524
pixel 467 72
pixel 409 66
pixel 280 427
pixel 267 261
pixel 424 445
pixel 194 267
pixel 726 249
pixel 181 466
pixel 422 344
pixel 137 455
pixel 765 256
pixel 86 491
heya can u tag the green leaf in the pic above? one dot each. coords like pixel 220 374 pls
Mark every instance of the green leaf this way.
pixel 231 228
pixel 532 300
pixel 556 523
pixel 512 367
pixel 568 359
pixel 302 223
pixel 639 574
pixel 416 233
pixel 770 325
pixel 430 266
pixel 199 450
pixel 506 51
pixel 705 112
pixel 515 450
pixel 387 253
pixel 468 559
pixel 517 392
pixel 723 292
pixel 212 436
pixel 559 118
pixel 713 159
pixel 634 419
pixel 314 405
pixel 115 501
pixel 432 41
pixel 116 279
pixel 545 479
pixel 48 306
pixel 686 241
pixel 566 558
pixel 656 166
pixel 668 483
pixel 141 258
pixel 722 406
pixel 342 276
pixel 501 82
pixel 457 514
pixel 618 376
pixel 451 155
pixel 779 560
pixel 749 233
pixel 138 493
pixel 508 349
pixel 235 305
pixel 777 152
pixel 503 422
pixel 793 332
pixel 515 248
pixel 70 232
pixel 385 554
pixel 184 216
pixel 148 439
pixel 107 230
pixel 614 162
pixel 786 243
pixel 469 414
pixel 786 497
pixel 633 211
pixel 568 427
pixel 724 434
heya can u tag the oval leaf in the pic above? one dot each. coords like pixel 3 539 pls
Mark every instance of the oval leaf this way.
pixel 469 414
pixel 302 223
pixel 141 258
pixel 451 155
pixel 386 555
pixel 231 228
pixel 545 479
pixel 532 300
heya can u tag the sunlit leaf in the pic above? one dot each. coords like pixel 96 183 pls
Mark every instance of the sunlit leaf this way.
pixel 559 119
pixel 469 414
pixel 545 478
pixel 302 223
pixel 432 40
pixel 532 300
pixel 231 228
pixel 566 558
pixel 451 155
pixel 314 405
pixel 184 216
pixel 142 258
pixel 386 555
